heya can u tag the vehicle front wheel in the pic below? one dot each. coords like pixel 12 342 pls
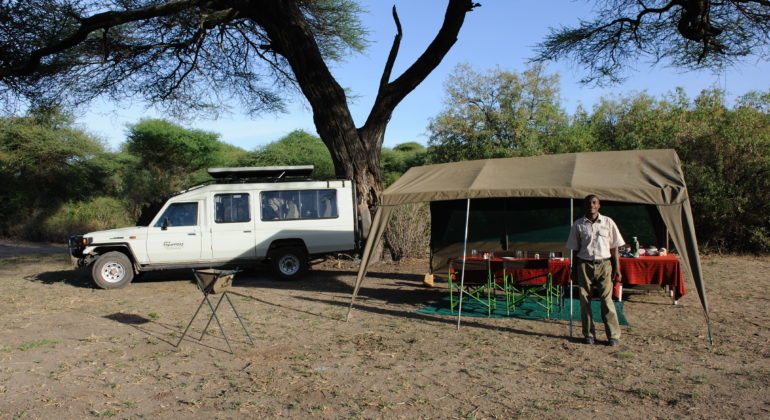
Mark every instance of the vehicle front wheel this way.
pixel 289 263
pixel 112 270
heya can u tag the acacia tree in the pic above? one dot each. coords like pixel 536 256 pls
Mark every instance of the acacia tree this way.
pixel 191 54
pixel 690 34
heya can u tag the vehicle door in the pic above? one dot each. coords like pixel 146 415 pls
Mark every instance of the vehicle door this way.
pixel 175 237
pixel 232 233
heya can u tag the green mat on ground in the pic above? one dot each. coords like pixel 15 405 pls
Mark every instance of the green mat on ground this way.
pixel 529 309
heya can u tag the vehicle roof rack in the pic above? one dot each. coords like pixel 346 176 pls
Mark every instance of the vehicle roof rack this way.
pixel 261 172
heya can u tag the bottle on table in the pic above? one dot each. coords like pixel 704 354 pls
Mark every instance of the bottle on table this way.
pixel 635 247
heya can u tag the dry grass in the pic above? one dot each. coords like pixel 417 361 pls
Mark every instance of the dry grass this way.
pixel 70 351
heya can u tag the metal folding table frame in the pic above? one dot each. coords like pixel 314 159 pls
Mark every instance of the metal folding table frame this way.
pixel 215 282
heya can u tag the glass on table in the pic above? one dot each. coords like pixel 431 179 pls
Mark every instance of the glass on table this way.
pixel 519 253
pixel 551 255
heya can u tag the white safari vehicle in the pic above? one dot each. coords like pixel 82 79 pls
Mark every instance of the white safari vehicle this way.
pixel 245 215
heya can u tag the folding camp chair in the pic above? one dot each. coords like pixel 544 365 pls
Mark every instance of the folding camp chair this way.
pixel 521 287
pixel 212 282
pixel 477 285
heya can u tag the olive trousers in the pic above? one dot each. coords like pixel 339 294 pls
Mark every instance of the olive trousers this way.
pixel 597 277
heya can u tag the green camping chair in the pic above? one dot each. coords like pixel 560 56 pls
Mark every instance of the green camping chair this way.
pixel 478 284
pixel 519 288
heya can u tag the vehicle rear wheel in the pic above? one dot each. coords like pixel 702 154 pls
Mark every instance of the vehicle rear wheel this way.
pixel 112 270
pixel 289 263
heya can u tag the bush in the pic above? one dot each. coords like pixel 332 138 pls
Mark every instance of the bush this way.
pixel 45 161
pixel 408 232
pixel 85 216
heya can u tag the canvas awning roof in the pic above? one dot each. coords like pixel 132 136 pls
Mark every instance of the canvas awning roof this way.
pixel 637 176
pixel 649 176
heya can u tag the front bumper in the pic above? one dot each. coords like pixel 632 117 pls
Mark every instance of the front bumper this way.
pixel 76 246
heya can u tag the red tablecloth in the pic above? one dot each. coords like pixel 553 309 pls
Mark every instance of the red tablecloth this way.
pixel 534 270
pixel 663 271
pixel 559 270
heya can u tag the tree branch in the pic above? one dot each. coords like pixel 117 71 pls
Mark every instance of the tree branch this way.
pixel 393 52
pixel 390 94
pixel 88 25
pixel 634 23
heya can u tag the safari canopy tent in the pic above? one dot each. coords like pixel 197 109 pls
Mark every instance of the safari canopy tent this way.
pixel 648 177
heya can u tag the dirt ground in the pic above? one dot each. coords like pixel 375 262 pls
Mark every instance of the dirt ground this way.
pixel 70 351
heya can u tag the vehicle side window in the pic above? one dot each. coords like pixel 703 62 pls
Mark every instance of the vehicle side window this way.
pixel 179 214
pixel 231 208
pixel 293 205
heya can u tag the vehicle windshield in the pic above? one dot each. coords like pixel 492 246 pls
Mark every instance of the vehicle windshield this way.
pixel 179 214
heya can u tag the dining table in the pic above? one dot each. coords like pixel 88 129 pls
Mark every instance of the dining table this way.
pixel 664 271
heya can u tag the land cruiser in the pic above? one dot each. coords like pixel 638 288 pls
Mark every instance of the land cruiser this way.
pixel 245 215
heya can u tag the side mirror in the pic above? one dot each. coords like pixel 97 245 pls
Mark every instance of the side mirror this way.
pixel 165 224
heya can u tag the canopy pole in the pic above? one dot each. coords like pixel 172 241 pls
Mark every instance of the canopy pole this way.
pixel 465 253
pixel 571 259
pixel 708 326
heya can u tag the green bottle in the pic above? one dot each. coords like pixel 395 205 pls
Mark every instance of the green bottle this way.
pixel 635 247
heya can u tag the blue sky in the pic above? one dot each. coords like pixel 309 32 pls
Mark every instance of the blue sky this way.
pixel 499 33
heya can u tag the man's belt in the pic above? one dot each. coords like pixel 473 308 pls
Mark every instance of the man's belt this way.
pixel 595 261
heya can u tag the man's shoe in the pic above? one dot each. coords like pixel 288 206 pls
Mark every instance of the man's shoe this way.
pixel 614 342
pixel 588 340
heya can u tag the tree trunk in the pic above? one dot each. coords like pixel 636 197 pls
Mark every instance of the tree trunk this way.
pixel 355 152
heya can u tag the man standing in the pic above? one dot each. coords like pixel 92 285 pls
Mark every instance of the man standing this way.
pixel 595 239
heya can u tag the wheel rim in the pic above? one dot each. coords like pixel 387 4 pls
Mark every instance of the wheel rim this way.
pixel 288 265
pixel 113 272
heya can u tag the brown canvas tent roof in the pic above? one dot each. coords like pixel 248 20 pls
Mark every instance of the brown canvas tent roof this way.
pixel 638 176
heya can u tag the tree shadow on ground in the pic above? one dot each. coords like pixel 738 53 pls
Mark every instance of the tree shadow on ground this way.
pixel 451 322
pixel 315 281
pixel 287 307
pixel 319 281
pixel 142 325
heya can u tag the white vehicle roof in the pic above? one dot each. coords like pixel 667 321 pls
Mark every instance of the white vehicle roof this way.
pixel 261 171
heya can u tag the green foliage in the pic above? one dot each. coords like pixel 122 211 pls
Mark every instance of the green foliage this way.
pixel 164 157
pixel 496 114
pixel 337 26
pixel 398 160
pixel 190 59
pixel 296 148
pixel 60 181
pixel 725 152
pixel 90 215
pixel 45 161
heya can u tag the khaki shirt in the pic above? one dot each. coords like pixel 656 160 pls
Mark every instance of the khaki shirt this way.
pixel 593 240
